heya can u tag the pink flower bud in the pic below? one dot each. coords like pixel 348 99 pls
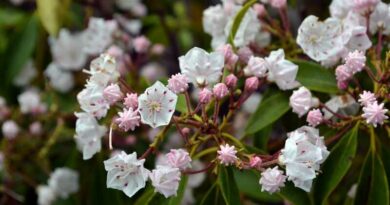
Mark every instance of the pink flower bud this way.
pixel 115 51
pixel 314 117
pixel 10 129
pixel 158 49
pixel 259 9
pixel 128 119
pixel 244 54
pixel 227 154
pixel 343 73
pixel 367 98
pixel 131 101
pixel 178 83
pixel 278 3
pixel 375 113
pixel 251 84
pixel 231 81
pixel 186 131
pixel 179 158
pixel 255 162
pixel 141 44
pixel 35 128
pixel 205 96
pixel 112 93
pixel 230 57
pixel 220 90
pixel 355 61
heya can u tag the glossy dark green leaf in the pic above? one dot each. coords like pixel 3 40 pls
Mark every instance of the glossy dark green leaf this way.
pixel 315 77
pixel 146 197
pixel 373 185
pixel 269 110
pixel 23 48
pixel 294 195
pixel 336 166
pixel 211 196
pixel 180 192
pixel 237 20
pixel 248 184
pixel 228 186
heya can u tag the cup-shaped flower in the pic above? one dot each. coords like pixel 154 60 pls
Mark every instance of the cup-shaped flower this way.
pixel 301 101
pixel 157 105
pixel 281 71
pixel 272 180
pixel 200 67
pixel 46 195
pixel 165 180
pixel 179 158
pixel 256 66
pixel 125 172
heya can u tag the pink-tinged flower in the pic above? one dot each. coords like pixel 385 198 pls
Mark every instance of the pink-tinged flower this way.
pixel 366 98
pixel 343 73
pixel 141 44
pixel 10 129
pixel 256 66
pixel 272 180
pixel 112 93
pixel 157 105
pixel 178 83
pixel 165 180
pixel 278 3
pixel 179 158
pixel 126 173
pixel 205 96
pixel 220 90
pixel 355 61
pixel 255 162
pixel 244 54
pixel 364 5
pixel 128 119
pixel 131 101
pixel 115 51
pixel 227 154
pixel 231 81
pixel 259 9
pixel 314 117
pixel 301 101
pixel 35 128
pixel 375 114
pixel 251 84
pixel 230 57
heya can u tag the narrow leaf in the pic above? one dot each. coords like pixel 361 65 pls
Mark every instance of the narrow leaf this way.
pixel 180 192
pixel 315 77
pixel 146 197
pixel 336 166
pixel 270 110
pixel 52 13
pixel 228 186
pixel 294 195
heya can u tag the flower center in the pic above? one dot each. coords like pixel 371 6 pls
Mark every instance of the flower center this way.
pixel 155 106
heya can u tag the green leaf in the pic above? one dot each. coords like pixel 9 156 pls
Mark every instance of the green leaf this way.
pixel 10 17
pixel 248 183
pixel 23 48
pixel 52 13
pixel 336 166
pixel 211 196
pixel 315 77
pixel 270 110
pixel 294 195
pixel 181 105
pixel 373 186
pixel 146 197
pixel 237 20
pixel 180 193
pixel 228 186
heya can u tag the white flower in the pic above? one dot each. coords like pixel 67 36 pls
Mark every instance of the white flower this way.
pixel 214 22
pixel 302 155
pixel 301 101
pixel 98 35
pixel 60 80
pixel 25 76
pixel 247 31
pixel 340 8
pixel 165 180
pixel 256 66
pixel 272 179
pixel 321 40
pixel 10 129
pixel 103 70
pixel 30 102
pixel 46 196
pixel 67 50
pixel 380 19
pixel 92 101
pixel 64 181
pixel 157 105
pixel 179 158
pixel 281 71
pixel 126 173
pixel 200 67
pixel 88 134
pixel 343 104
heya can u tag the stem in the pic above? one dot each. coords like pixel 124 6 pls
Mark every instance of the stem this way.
pixel 232 138
pixel 283 16
pixel 209 166
pixel 272 162
pixel 372 139
pixel 216 111
pixel 334 113
pixel 379 45
pixel 205 152
pixel 188 102
pixel 147 152
pixel 330 140
pixel 180 131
